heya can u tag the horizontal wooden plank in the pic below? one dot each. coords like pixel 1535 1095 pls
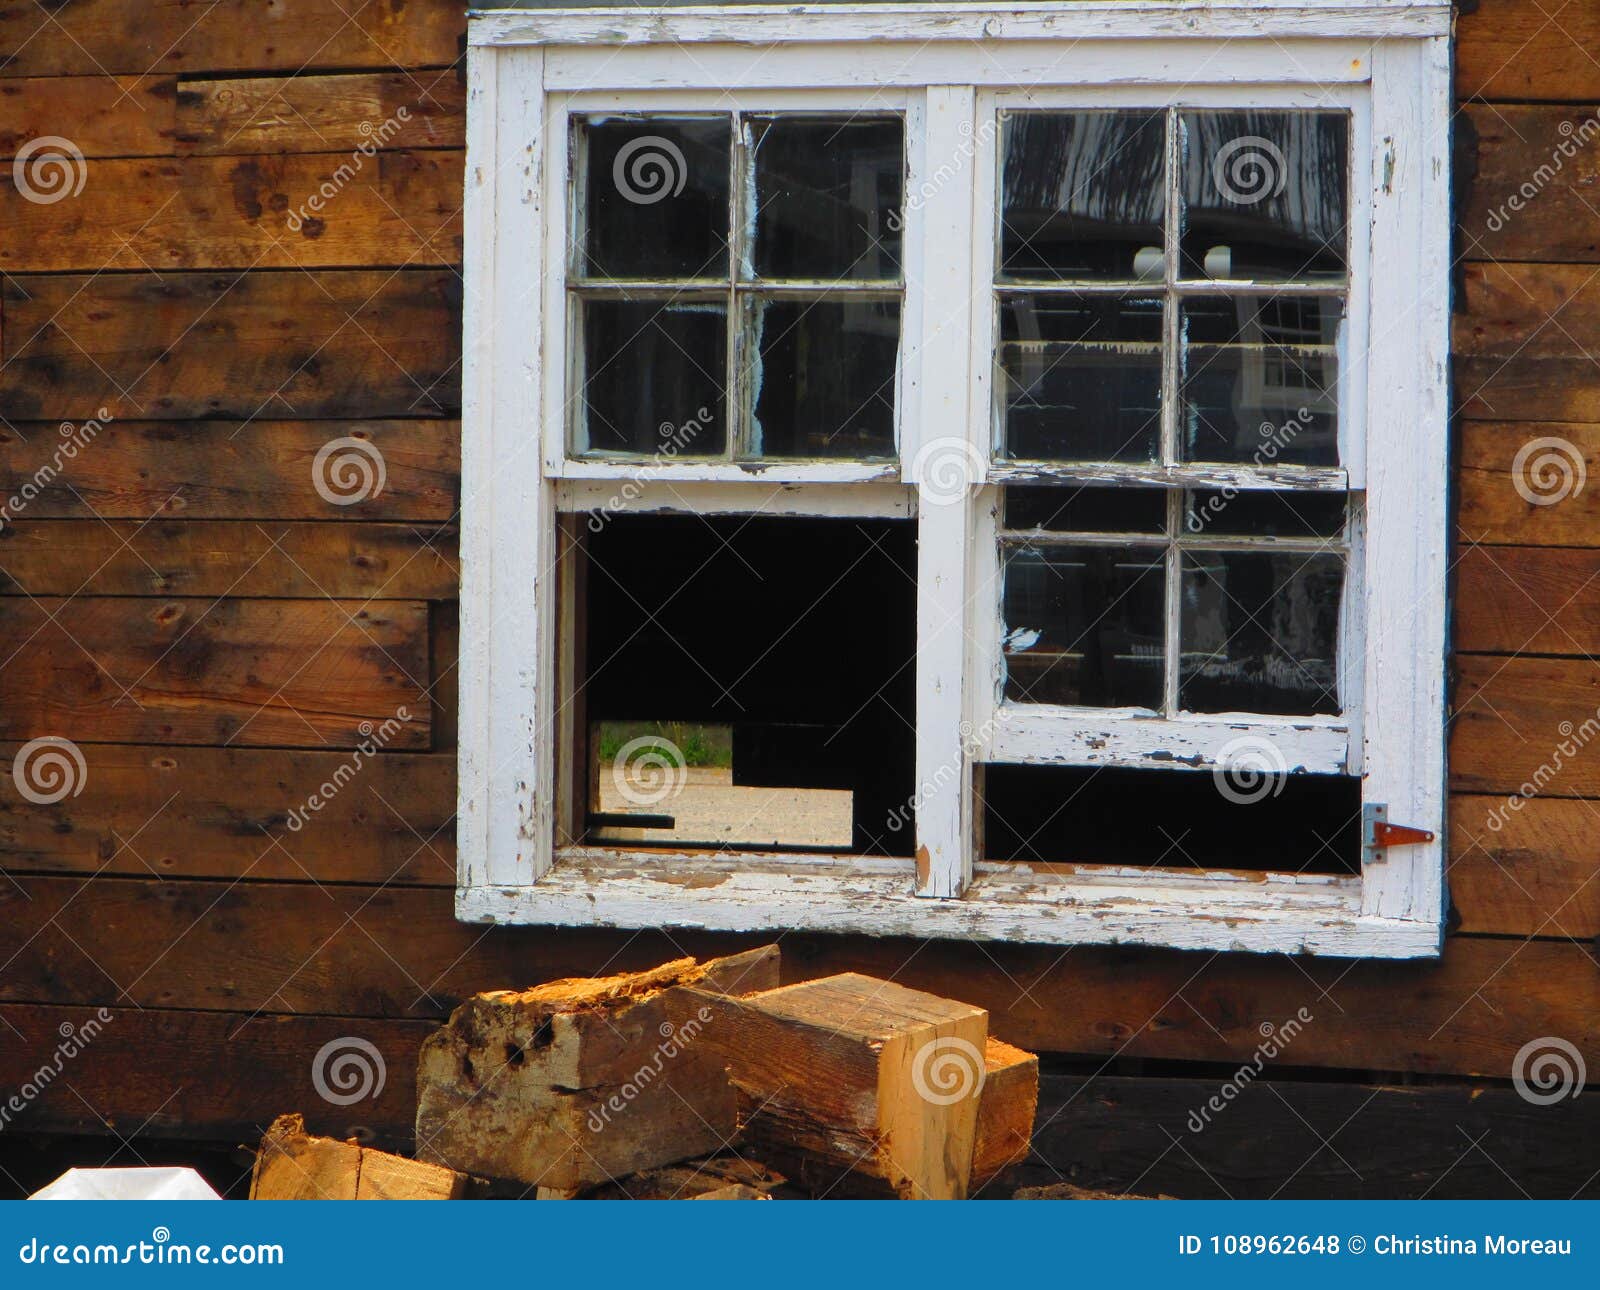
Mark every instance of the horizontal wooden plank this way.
pixel 1533 187
pixel 325 210
pixel 232 813
pixel 198 36
pixel 1309 1140
pixel 1528 49
pixel 1528 483
pixel 305 113
pixel 206 470
pixel 1526 721
pixel 104 116
pixel 1528 600
pixel 1529 869
pixel 239 558
pixel 298 948
pixel 162 1074
pixel 336 344
pixel 1519 342
pixel 298 673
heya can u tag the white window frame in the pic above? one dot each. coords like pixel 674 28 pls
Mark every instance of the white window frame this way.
pixel 943 65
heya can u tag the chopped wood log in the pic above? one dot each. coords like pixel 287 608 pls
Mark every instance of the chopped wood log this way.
pixel 1007 1107
pixel 693 1180
pixel 293 1165
pixel 1068 1191
pixel 734 1191
pixel 851 1075
pixel 582 1081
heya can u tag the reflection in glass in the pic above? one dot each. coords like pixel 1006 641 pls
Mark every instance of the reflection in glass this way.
pixel 653 377
pixel 1073 509
pixel 1253 513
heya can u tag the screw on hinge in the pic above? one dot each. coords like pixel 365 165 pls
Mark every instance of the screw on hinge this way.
pixel 1378 835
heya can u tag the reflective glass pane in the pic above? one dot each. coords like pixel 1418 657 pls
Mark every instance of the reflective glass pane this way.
pixel 828 196
pixel 1264 194
pixel 1084 195
pixel 653 377
pixel 1082 377
pixel 657 197
pixel 1084 625
pixel 1260 632
pixel 1249 513
pixel 1072 509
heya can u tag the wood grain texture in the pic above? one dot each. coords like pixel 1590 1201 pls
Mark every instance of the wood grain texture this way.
pixel 105 116
pixel 1528 49
pixel 1519 342
pixel 263 115
pixel 1532 869
pixel 232 813
pixel 1526 721
pixel 1528 600
pixel 205 470
pixel 339 344
pixel 194 36
pixel 1535 186
pixel 1557 506
pixel 297 673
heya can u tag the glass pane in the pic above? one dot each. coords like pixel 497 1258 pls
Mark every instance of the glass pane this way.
pixel 1260 380
pixel 1241 513
pixel 657 197
pixel 1082 377
pixel 824 377
pixel 1069 509
pixel 653 377
pixel 1084 625
pixel 1264 194
pixel 828 197
pixel 1260 632
pixel 1084 196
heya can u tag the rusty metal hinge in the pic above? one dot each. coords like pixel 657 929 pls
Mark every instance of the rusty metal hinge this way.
pixel 1377 834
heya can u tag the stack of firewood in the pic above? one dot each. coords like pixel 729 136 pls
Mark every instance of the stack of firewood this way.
pixel 704 1080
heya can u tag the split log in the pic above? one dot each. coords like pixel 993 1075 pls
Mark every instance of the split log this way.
pixel 1007 1107
pixel 853 1076
pixel 734 1191
pixel 578 1082
pixel 293 1165
pixel 1069 1191
pixel 696 1180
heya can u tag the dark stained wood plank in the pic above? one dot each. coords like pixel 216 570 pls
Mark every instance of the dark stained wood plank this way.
pixel 234 813
pixel 1557 504
pixel 1310 1140
pixel 336 344
pixel 204 470
pixel 300 948
pixel 198 36
pixel 1526 721
pixel 297 673
pixel 239 558
pixel 1529 49
pixel 274 114
pixel 104 116
pixel 1519 339
pixel 328 210
pixel 1534 193
pixel 1528 600
pixel 1527 869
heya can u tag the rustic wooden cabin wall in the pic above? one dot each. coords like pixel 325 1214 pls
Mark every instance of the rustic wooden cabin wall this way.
pixel 230 239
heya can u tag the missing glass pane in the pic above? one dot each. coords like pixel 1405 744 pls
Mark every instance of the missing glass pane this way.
pixel 653 377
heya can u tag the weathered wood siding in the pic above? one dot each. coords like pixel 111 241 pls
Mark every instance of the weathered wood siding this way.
pixel 182 603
